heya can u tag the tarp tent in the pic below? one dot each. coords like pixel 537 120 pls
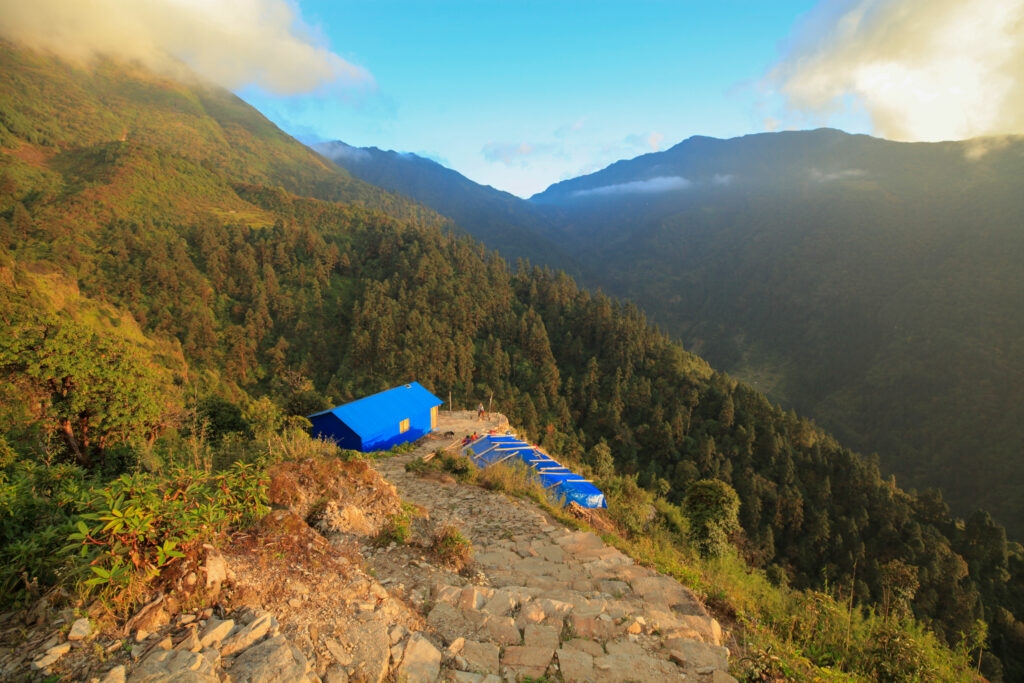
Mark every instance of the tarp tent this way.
pixel 380 421
pixel 563 482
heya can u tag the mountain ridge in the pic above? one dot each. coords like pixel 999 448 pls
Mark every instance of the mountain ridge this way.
pixel 500 220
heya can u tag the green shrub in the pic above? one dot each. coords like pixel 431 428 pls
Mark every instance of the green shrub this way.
pixel 514 478
pixel 397 528
pixel 713 508
pixel 38 504
pixel 461 468
pixel 451 547
pixel 138 525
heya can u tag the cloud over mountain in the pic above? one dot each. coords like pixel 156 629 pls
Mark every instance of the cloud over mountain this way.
pixel 921 69
pixel 231 42
pixel 648 186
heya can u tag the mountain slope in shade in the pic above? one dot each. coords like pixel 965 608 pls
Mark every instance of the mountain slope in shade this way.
pixel 876 286
pixel 500 220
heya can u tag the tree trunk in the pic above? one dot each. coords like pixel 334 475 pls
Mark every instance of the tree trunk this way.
pixel 68 434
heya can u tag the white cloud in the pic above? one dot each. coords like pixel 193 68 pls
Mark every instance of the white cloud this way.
pixel 830 176
pixel 339 150
pixel 650 186
pixel 231 42
pixel 921 69
pixel 514 153
pixel 651 141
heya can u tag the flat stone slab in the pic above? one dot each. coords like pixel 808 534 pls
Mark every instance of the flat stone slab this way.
pixel 421 660
pixel 624 667
pixel 527 661
pixel 482 658
pixel 575 665
pixel 539 635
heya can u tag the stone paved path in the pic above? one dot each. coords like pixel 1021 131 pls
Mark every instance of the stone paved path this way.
pixel 543 599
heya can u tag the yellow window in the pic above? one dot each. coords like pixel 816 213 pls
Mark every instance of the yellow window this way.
pixel 403 426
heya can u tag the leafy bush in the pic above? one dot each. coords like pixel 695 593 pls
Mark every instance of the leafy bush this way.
pixel 713 507
pixel 139 525
pixel 461 468
pixel 38 504
pixel 397 528
pixel 451 547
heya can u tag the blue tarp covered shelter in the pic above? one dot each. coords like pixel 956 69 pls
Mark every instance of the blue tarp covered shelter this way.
pixel 563 482
pixel 380 421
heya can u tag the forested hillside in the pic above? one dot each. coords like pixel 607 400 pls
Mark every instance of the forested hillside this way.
pixel 871 285
pixel 875 286
pixel 170 260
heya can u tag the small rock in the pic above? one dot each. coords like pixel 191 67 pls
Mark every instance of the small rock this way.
pixel 274 659
pixel 45 662
pixel 59 650
pixel 455 647
pixel 421 662
pixel 141 635
pixel 186 619
pixel 340 656
pixel 116 675
pixel 80 630
pixel 397 632
pixel 215 632
pixel 248 635
pixel 335 674
pixel 170 665
pixel 190 642
pixel 216 569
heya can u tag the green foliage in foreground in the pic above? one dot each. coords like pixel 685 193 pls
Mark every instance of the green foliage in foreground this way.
pixel 111 539
pixel 138 525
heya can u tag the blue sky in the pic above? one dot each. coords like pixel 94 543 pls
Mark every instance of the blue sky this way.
pixel 519 94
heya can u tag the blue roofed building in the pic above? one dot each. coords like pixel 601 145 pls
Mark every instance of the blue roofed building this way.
pixel 380 421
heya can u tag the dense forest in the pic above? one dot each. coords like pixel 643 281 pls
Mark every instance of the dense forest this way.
pixel 871 285
pixel 157 281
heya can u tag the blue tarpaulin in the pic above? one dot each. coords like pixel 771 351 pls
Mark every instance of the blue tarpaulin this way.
pixel 560 480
